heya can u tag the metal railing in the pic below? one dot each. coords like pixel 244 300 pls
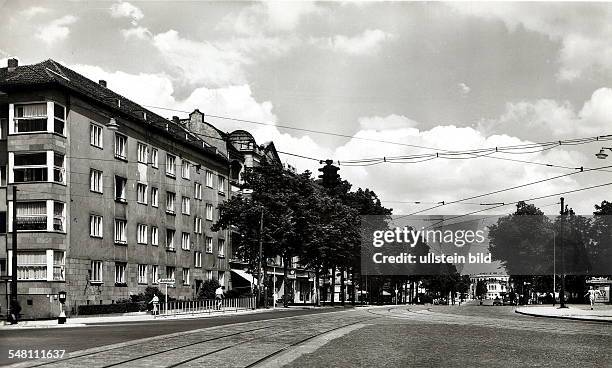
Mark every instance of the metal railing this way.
pixel 185 307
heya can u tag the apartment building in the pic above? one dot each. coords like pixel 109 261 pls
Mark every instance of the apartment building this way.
pixel 111 196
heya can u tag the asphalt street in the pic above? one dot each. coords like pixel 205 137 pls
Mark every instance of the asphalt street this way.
pixel 402 336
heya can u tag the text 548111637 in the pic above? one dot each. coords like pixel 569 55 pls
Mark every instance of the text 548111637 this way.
pixel 36 354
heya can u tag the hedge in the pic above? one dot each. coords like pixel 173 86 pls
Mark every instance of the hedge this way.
pixel 111 308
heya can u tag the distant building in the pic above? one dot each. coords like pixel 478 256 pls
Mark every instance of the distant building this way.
pixel 112 197
pixel 497 284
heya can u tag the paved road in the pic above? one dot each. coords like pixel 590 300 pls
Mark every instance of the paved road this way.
pixel 395 336
pixel 96 335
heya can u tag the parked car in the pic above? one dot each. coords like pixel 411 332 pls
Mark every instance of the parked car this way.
pixel 497 301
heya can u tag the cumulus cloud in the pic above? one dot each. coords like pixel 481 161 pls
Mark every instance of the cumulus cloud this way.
pixel 368 42
pixel 269 16
pixel 464 89
pixel 33 11
pixel 432 181
pixel 139 33
pixel 57 30
pixel 560 119
pixel 389 122
pixel 215 63
pixel 582 30
pixel 126 10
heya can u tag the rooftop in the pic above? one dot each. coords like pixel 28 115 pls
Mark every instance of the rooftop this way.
pixel 50 73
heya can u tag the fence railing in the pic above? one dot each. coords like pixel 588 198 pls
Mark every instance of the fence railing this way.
pixel 182 307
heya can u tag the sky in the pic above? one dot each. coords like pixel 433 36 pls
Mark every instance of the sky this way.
pixel 449 76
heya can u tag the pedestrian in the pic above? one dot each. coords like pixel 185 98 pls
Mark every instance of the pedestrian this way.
pixel 592 294
pixel 219 295
pixel 155 302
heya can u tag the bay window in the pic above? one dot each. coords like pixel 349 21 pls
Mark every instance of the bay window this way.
pixel 47 166
pixel 46 215
pixel 43 265
pixel 38 117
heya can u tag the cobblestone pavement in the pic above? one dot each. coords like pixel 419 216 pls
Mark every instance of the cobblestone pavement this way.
pixel 390 336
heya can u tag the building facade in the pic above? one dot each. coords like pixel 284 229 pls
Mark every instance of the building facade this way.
pixel 497 285
pixel 111 197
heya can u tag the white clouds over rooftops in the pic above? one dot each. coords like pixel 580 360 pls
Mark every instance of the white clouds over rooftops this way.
pixel 56 30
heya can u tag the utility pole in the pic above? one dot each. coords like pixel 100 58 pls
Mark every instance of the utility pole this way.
pixel 259 273
pixel 14 304
pixel 562 292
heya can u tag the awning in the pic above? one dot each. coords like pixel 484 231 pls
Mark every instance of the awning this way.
pixel 245 275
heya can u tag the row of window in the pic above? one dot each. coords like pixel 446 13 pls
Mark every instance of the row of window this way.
pixel 96 185
pixel 152 158
pixel 146 273
pixel 144 235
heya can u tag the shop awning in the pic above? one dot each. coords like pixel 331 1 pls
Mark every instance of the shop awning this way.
pixel 245 275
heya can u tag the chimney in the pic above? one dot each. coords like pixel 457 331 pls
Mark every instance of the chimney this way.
pixel 175 119
pixel 13 63
pixel 102 82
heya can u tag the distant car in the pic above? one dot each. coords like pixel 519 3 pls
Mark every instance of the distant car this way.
pixel 497 301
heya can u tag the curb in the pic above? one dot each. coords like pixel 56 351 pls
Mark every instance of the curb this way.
pixel 586 319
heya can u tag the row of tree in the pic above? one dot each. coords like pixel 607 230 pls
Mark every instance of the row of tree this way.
pixel 322 222
pixel 294 215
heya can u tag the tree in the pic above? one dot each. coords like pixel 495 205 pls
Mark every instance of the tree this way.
pixel 523 241
pixel 207 290
pixel 600 251
pixel 481 289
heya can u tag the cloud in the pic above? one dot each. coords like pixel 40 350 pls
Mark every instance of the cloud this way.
pixel 368 42
pixel 269 16
pixel 464 89
pixel 383 123
pixel 582 30
pixel 57 30
pixel 139 33
pixel 216 63
pixel 201 62
pixel 432 181
pixel 126 10
pixel 547 117
pixel 33 11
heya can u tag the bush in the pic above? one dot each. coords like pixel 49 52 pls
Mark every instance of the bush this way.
pixel 147 296
pixel 111 308
pixel 207 290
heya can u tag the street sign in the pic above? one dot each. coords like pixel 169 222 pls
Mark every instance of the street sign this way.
pixel 166 281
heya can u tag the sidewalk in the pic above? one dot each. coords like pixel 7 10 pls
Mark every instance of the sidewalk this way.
pixel 138 317
pixel 583 312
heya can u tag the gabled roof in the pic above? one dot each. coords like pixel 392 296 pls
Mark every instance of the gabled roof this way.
pixel 50 73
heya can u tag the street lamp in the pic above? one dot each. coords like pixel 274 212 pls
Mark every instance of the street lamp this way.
pixel 602 155
pixel 112 125
pixel 62 299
